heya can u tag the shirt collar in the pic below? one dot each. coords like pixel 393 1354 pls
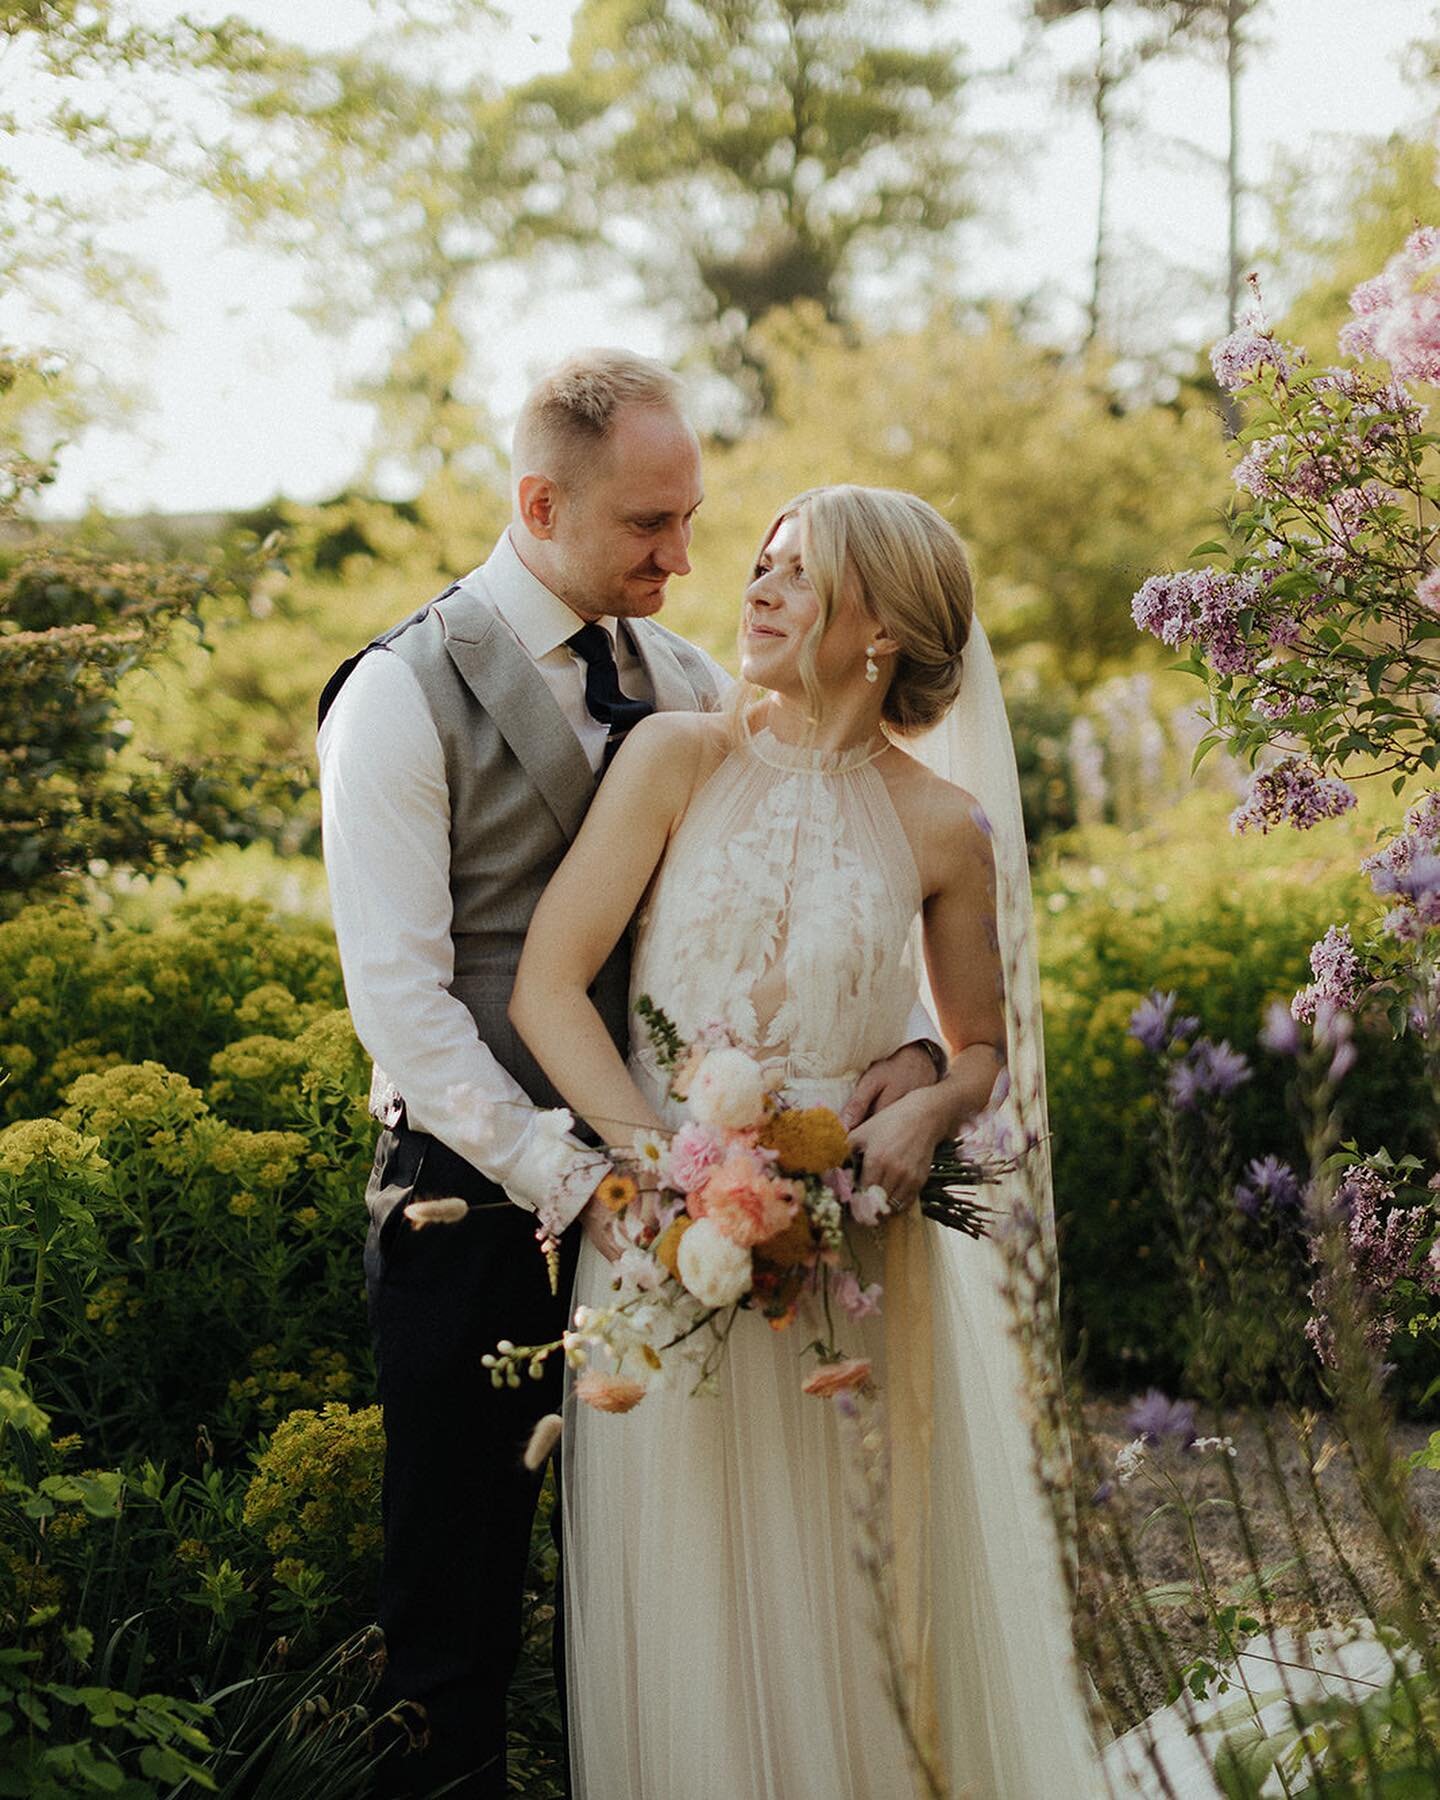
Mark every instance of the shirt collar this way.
pixel 539 618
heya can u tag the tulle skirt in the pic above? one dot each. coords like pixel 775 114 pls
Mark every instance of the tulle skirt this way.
pixel 722 1639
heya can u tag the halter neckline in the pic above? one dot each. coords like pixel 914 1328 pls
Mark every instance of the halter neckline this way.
pixel 765 747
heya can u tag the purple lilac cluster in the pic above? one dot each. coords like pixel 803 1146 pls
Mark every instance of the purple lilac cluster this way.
pixel 1203 607
pixel 1237 359
pixel 1269 1186
pixel 1383 1241
pixel 1281 703
pixel 1408 868
pixel 1340 977
pixel 1293 792
pixel 1397 313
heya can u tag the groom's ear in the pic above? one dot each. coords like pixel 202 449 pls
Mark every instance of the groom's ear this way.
pixel 539 498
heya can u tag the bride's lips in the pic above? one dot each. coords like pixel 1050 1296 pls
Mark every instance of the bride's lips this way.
pixel 755 630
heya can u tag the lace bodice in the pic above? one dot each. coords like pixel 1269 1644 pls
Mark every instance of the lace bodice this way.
pixel 783 910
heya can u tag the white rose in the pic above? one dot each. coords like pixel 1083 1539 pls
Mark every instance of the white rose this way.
pixel 728 1090
pixel 715 1270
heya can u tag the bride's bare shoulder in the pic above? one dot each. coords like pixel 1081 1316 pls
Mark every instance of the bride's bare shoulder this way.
pixel 945 825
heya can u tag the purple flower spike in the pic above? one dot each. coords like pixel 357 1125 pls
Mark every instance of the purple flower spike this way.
pixel 1209 1069
pixel 1150 1021
pixel 1157 1418
pixel 1280 1034
pixel 1154 1026
pixel 1269 1186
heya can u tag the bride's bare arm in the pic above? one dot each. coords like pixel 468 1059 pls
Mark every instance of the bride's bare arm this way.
pixel 584 911
pixel 962 959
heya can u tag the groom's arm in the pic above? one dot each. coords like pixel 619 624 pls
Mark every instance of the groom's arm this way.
pixel 386 809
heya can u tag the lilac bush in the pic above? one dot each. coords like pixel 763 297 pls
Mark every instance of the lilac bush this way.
pixel 1314 629
pixel 1315 626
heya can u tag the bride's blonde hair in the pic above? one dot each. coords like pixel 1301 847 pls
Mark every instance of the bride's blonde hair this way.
pixel 913 576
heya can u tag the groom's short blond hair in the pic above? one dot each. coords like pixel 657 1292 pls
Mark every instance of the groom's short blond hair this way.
pixel 569 413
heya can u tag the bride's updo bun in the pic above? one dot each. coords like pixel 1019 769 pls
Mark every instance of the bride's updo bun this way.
pixel 912 574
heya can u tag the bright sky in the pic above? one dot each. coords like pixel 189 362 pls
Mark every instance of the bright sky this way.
pixel 244 401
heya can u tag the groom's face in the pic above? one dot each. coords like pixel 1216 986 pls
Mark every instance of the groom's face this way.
pixel 622 533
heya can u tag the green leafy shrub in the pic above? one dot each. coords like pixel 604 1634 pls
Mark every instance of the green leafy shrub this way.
pixel 221 1186
pixel 79 992
pixel 314 1501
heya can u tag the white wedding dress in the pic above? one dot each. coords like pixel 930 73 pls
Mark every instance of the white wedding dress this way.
pixel 721 1635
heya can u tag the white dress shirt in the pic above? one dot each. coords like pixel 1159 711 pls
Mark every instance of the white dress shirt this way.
pixel 387 856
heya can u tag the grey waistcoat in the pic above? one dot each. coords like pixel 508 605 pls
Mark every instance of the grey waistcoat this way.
pixel 519 788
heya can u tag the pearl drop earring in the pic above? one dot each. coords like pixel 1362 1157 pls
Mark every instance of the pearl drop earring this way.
pixel 872 668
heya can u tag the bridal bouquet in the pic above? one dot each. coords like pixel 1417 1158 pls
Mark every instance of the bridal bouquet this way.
pixel 751 1205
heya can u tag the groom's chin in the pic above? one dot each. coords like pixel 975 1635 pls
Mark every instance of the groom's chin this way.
pixel 644 597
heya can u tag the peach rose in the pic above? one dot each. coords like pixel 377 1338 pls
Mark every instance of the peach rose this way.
pixel 743 1200
pixel 839 1377
pixel 609 1393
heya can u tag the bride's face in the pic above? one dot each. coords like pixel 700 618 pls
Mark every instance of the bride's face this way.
pixel 781 609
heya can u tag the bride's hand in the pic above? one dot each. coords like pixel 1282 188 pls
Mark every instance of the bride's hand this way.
pixel 896 1147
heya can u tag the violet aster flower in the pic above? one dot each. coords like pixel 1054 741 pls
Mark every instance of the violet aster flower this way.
pixel 1157 1418
pixel 1293 792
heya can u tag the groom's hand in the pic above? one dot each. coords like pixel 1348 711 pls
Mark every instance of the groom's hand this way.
pixel 599 1225
pixel 885 1082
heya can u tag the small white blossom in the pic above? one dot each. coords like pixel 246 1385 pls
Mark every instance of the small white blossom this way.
pixel 1129 1461
pixel 1227 1444
pixel 870 1205
pixel 637 1272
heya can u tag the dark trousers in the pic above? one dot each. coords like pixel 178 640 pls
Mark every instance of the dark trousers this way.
pixel 458 1501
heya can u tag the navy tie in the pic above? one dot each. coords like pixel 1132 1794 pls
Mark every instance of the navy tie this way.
pixel 605 699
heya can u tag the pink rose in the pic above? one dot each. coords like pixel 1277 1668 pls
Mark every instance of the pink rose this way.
pixel 742 1200
pixel 694 1153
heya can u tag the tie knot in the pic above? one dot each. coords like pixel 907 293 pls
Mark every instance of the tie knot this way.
pixel 591 643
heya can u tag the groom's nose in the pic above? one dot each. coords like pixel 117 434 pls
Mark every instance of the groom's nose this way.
pixel 672 549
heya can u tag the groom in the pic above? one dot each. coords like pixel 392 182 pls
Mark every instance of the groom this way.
pixel 458 754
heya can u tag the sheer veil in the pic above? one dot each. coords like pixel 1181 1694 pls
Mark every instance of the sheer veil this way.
pixel 997 1566
pixel 972 748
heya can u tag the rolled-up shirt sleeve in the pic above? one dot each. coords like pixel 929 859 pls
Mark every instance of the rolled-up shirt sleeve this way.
pixel 386 815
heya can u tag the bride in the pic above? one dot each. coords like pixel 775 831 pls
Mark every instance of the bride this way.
pixel 780 864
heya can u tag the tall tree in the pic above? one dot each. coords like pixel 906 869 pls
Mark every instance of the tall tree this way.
pixel 1226 28
pixel 1128 34
pixel 740 155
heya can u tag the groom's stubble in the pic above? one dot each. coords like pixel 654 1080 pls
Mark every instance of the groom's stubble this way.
pixel 609 541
